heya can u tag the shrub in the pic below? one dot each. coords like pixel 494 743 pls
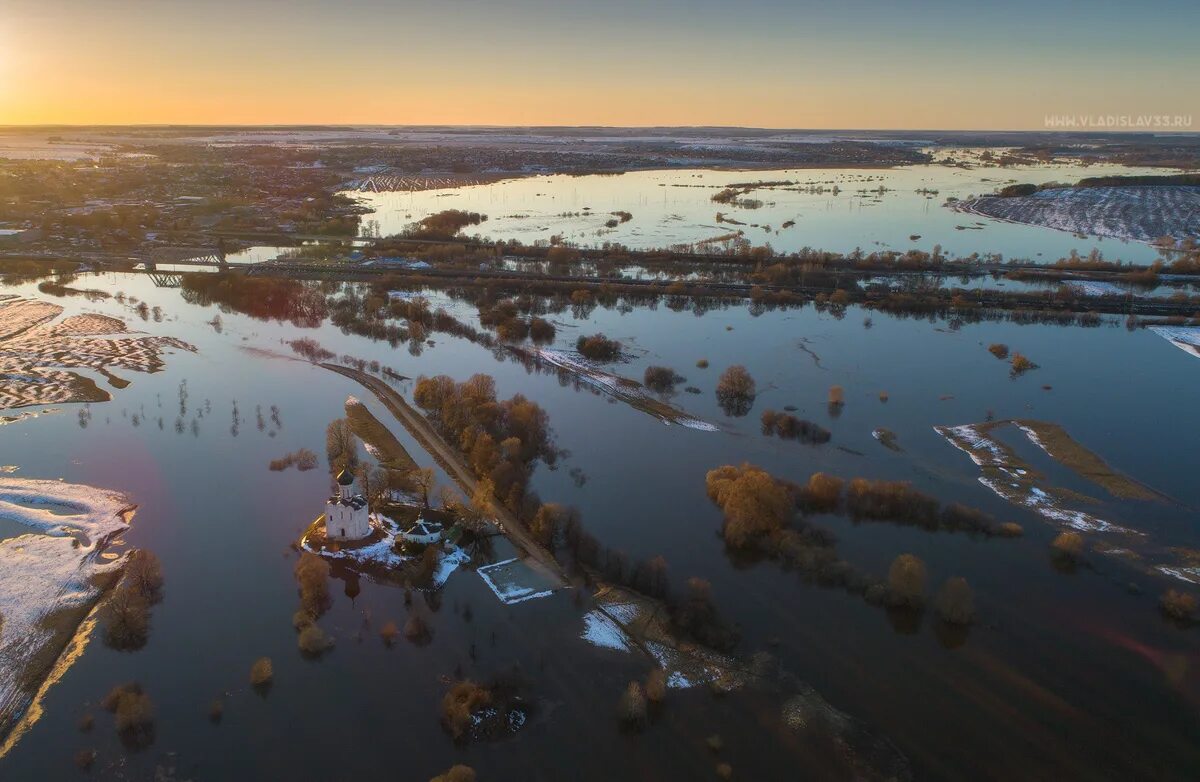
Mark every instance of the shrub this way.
pixel 303 460
pixel 598 347
pixel 459 773
pixel 656 686
pixel 661 378
pixel 962 517
pixel 891 500
pixel 724 771
pixel 85 759
pixel 906 582
pixel 132 709
pixel 736 391
pixel 1021 364
pixel 702 364
pixel 696 617
pixel 1010 529
pixel 541 331
pixel 736 381
pixel 955 602
pixel 463 699
pixel 754 503
pixel 1068 546
pixel 301 619
pixel 1179 606
pixel 789 427
pixel 389 633
pixel 216 710
pixel 313 640
pixel 631 709
pixel 999 350
pixel 822 493
pixel 416 629
pixel 837 396
pixel 312 573
pixel 883 396
pixel 262 672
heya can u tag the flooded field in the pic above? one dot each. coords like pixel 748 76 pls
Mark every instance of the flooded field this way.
pixel 1068 670
pixel 829 209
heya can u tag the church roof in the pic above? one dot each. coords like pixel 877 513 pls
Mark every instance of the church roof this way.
pixel 345 478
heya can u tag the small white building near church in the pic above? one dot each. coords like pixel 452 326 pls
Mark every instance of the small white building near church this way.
pixel 346 514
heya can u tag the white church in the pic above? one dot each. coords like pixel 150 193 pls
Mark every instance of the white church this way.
pixel 346 514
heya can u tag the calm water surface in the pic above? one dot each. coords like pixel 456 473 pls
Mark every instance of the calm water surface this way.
pixel 675 207
pixel 1064 674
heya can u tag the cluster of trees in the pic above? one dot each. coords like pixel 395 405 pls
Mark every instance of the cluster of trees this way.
pixel 598 347
pixel 502 440
pixel 504 317
pixel 760 510
pixel 443 225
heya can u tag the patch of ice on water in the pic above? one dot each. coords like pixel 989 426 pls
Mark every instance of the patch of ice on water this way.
pixel 1186 338
pixel 509 591
pixel 1188 574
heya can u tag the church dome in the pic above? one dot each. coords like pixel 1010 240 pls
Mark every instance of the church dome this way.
pixel 345 478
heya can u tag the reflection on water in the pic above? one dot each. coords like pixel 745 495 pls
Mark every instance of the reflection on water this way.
pixel 1070 675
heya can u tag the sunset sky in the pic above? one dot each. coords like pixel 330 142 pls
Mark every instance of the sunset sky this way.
pixel 768 63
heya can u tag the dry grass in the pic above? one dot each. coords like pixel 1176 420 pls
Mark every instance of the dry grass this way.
pixel 1068 452
pixel 374 433
pixel 999 350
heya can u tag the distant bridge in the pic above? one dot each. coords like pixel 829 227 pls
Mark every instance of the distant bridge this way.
pixel 387 183
pixel 186 256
